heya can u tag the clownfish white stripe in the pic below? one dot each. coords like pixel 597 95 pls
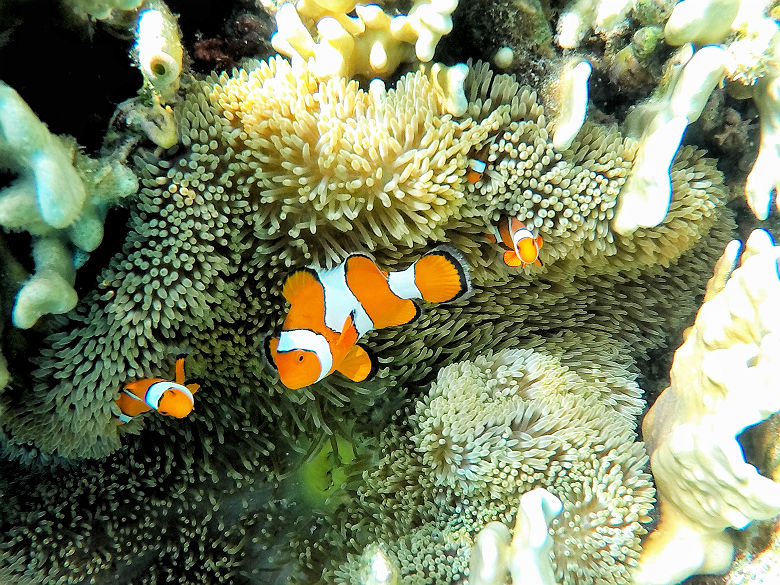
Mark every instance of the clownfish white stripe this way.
pixel 340 301
pixel 125 418
pixel 402 284
pixel 477 166
pixel 156 390
pixel 306 339
pixel 131 395
pixel 521 235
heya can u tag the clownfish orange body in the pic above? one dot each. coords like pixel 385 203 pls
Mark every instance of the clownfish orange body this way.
pixel 523 245
pixel 331 309
pixel 166 397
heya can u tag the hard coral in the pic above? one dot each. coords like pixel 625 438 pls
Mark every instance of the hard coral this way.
pixel 61 197
pixel 359 39
pixel 723 381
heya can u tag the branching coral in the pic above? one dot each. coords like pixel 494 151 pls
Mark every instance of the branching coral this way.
pixel 746 57
pixel 369 43
pixel 580 16
pixel 527 557
pixel 60 197
pixel 723 380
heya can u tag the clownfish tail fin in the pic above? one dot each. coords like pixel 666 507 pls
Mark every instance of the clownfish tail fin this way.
pixel 442 275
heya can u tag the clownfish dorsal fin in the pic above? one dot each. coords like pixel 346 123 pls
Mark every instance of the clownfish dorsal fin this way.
pixel 539 241
pixel 349 333
pixel 358 364
pixel 179 378
pixel 297 283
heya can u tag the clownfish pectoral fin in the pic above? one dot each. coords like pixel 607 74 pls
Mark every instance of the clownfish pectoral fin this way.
pixel 511 259
pixel 299 283
pixel 359 364
pixel 269 346
pixel 193 384
pixel 349 333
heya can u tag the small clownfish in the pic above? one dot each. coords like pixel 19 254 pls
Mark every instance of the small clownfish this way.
pixel 523 245
pixel 478 163
pixel 476 170
pixel 331 309
pixel 166 397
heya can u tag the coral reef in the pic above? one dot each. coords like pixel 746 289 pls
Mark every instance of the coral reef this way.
pixel 60 197
pixel 723 381
pixel 359 39
pixel 248 175
pixel 220 221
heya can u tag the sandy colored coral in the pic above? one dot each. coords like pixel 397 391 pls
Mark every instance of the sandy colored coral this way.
pixel 359 39
pixel 723 381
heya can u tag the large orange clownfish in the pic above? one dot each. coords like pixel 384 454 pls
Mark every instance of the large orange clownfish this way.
pixel 331 309
pixel 523 245
pixel 166 397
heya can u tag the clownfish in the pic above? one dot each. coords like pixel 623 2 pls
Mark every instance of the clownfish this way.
pixel 166 397
pixel 523 245
pixel 476 170
pixel 331 309
pixel 478 163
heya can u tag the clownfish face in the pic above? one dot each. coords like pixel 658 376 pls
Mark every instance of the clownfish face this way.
pixel 527 246
pixel 297 368
pixel 527 250
pixel 174 403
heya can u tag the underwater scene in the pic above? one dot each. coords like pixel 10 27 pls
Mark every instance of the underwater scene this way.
pixel 424 292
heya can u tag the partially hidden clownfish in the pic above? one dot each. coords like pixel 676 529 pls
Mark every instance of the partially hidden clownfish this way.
pixel 478 163
pixel 476 170
pixel 523 245
pixel 166 397
pixel 331 309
